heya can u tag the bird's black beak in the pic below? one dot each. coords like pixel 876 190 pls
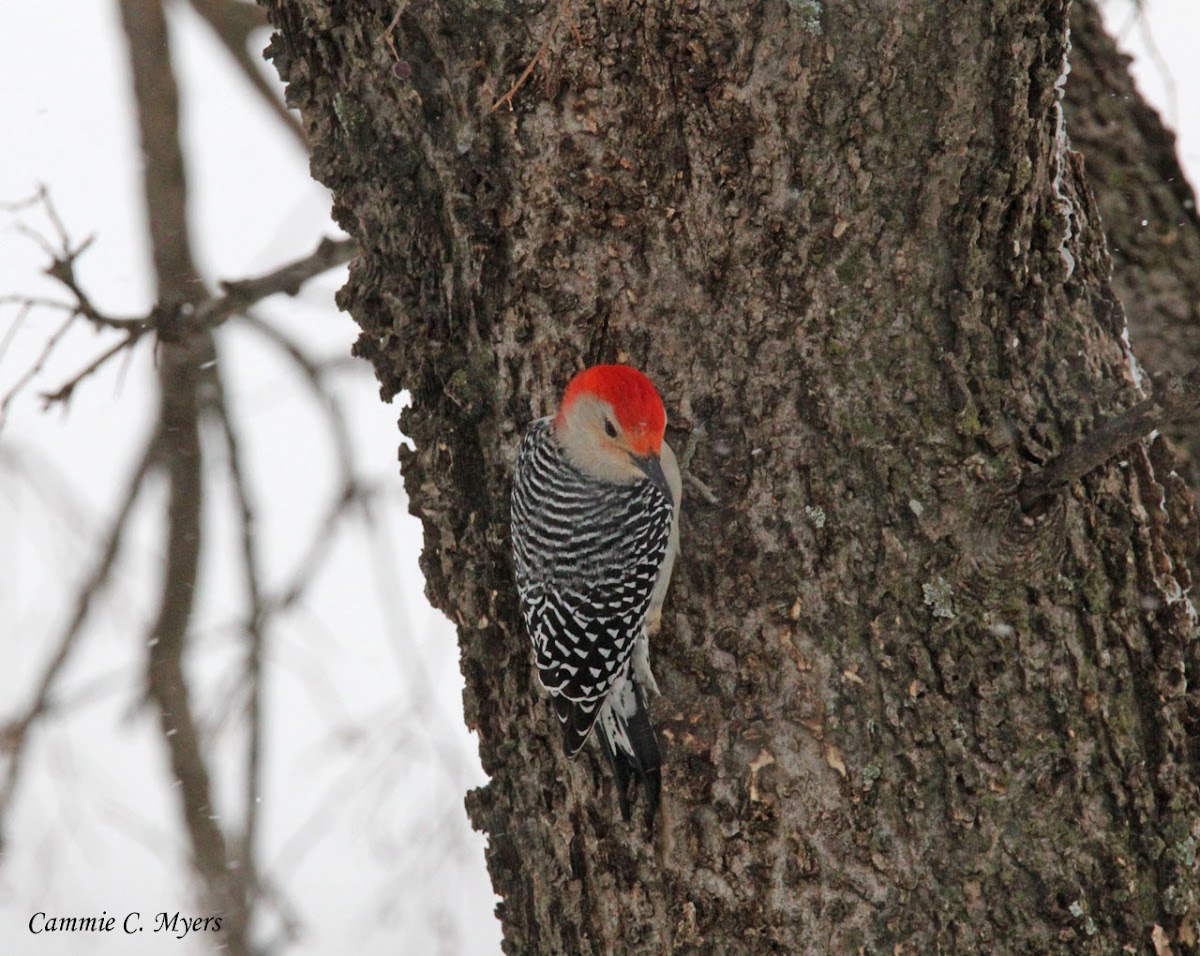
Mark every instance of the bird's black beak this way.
pixel 651 467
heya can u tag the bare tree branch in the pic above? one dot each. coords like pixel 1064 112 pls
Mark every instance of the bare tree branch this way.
pixel 187 359
pixel 34 370
pixel 62 255
pixel 42 198
pixel 183 323
pixel 23 310
pixel 233 21
pixel 166 684
pixel 256 624
pixel 352 491
pixel 62 269
pixel 238 296
pixel 14 734
pixel 243 293
pixel 313 375
pixel 320 546
pixel 64 392
pixel 164 179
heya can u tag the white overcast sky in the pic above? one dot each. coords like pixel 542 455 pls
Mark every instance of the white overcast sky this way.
pixel 368 758
pixel 365 708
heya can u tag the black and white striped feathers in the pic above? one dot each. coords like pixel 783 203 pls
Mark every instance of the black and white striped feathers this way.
pixel 588 554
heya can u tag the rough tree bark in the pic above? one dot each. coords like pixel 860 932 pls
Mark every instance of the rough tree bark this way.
pixel 851 245
pixel 1148 208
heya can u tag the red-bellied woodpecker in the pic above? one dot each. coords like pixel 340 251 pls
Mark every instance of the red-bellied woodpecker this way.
pixel 595 531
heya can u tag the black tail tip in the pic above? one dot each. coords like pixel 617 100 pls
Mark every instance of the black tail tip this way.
pixel 651 782
pixel 628 772
pixel 652 791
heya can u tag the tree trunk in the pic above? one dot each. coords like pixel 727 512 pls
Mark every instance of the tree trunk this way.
pixel 851 246
pixel 1148 209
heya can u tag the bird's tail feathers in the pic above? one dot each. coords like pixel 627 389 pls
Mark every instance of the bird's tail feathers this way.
pixel 631 746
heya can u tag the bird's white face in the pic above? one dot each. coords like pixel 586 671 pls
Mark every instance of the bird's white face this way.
pixel 598 445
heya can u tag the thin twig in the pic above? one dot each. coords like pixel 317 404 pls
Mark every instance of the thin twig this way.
pixel 685 465
pixel 256 624
pixel 63 394
pixel 537 58
pixel 352 491
pixel 42 198
pixel 34 370
pixel 62 267
pixel 1174 399
pixel 57 221
pixel 234 22
pixel 387 34
pixel 184 376
pixel 37 239
pixel 37 301
pixel 319 548
pixel 62 270
pixel 15 732
pixel 20 205
pixel 11 333
pixel 238 295
pixel 241 294
pixel 313 375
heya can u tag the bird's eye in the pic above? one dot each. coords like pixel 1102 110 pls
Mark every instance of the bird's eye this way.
pixel 610 429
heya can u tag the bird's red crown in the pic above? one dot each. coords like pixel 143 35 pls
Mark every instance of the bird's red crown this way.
pixel 634 400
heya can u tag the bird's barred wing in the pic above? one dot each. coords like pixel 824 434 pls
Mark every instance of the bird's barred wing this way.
pixel 584 615
pixel 581 640
pixel 587 558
